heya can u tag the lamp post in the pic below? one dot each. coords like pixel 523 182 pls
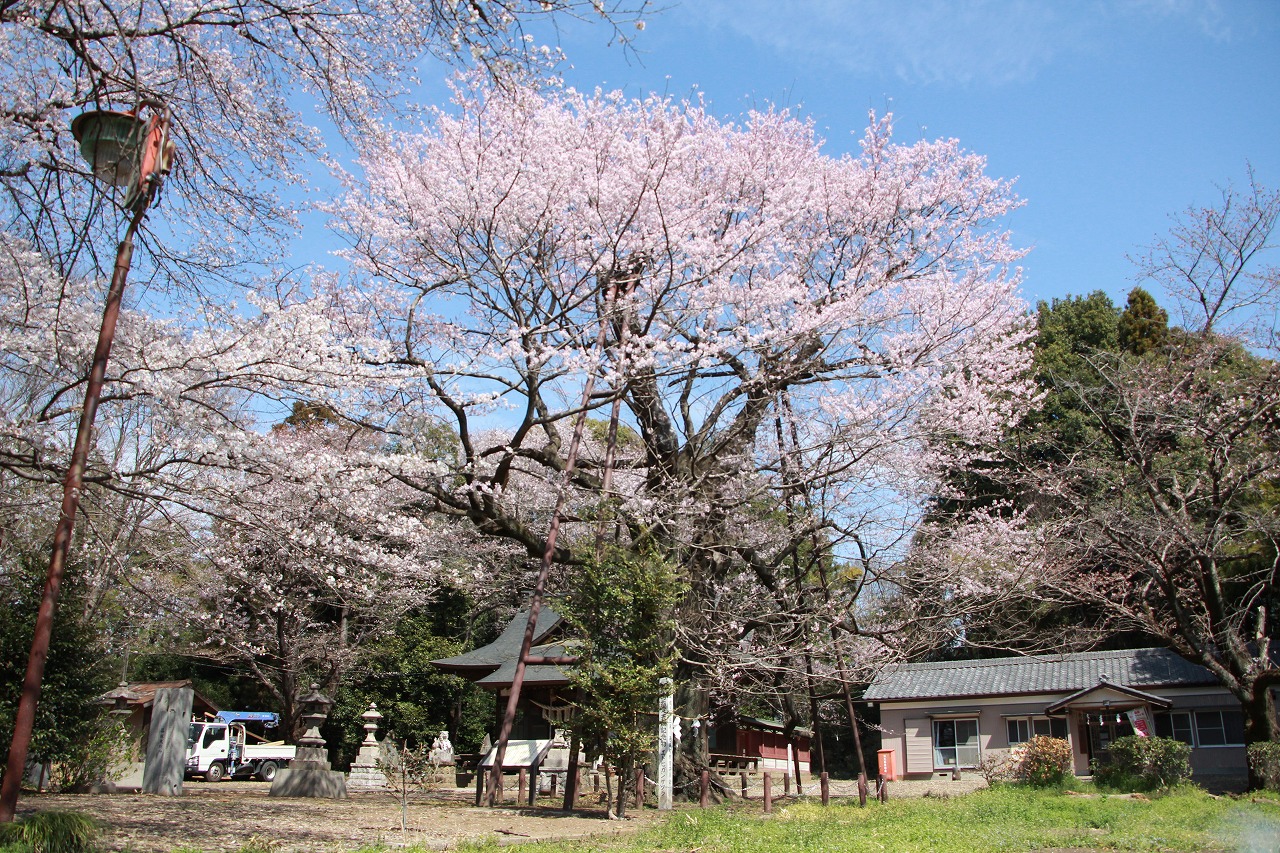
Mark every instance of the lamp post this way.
pixel 123 149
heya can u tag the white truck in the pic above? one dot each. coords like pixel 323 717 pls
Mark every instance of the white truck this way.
pixel 218 748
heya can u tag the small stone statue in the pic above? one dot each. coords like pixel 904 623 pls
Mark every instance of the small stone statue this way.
pixel 442 751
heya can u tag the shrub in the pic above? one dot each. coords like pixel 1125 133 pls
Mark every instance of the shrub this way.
pixel 1264 761
pixel 999 766
pixel 51 832
pixel 1045 761
pixel 1145 762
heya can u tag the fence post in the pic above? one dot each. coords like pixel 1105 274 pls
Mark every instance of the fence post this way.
pixel 862 790
pixel 883 790
pixel 743 776
pixel 640 788
pixel 768 792
pixel 786 784
pixel 702 792
pixel 524 786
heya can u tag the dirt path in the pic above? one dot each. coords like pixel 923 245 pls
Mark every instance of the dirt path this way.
pixel 223 817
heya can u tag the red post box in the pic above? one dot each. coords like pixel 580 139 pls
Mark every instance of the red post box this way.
pixel 887 769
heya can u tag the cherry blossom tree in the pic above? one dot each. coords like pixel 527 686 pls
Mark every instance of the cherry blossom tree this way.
pixel 741 275
pixel 300 573
pixel 242 81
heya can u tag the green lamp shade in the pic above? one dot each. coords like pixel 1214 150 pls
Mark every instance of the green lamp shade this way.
pixel 109 141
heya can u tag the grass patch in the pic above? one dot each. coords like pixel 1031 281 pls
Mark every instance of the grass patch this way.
pixel 49 832
pixel 1005 818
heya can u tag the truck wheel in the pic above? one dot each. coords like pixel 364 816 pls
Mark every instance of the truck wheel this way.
pixel 267 771
pixel 216 773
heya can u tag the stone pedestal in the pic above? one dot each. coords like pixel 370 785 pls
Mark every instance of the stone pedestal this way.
pixel 365 774
pixel 309 774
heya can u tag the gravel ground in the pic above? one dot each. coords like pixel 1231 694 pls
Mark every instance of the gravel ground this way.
pixel 224 817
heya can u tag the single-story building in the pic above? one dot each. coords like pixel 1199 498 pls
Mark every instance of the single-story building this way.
pixel 938 718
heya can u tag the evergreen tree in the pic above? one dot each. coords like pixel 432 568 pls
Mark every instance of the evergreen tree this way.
pixel 1144 325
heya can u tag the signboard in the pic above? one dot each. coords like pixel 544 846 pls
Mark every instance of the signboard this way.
pixel 520 753
pixel 1138 719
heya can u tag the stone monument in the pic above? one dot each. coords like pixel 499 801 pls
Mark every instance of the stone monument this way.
pixel 365 774
pixel 309 774
pixel 166 759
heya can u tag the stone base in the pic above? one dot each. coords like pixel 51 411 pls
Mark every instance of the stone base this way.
pixel 366 778
pixel 309 779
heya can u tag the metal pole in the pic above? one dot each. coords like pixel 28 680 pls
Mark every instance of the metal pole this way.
pixel 72 484
pixel 548 553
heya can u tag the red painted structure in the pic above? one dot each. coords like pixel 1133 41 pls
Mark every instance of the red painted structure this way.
pixel 764 740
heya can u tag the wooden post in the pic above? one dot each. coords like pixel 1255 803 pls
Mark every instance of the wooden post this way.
pixel 524 785
pixel 640 788
pixel 479 784
pixel 703 789
pixel 862 790
pixel 555 779
pixel 786 784
pixel 825 783
pixel 882 790
pixel 595 781
pixel 768 793
pixel 743 777
pixel 572 775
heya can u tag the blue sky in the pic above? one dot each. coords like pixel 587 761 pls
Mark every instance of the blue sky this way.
pixel 1112 116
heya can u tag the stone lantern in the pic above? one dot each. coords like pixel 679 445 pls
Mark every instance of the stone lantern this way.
pixel 365 772
pixel 309 774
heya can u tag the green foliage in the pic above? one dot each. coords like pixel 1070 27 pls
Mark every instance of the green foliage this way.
pixel 50 832
pixel 599 431
pixel 1264 761
pixel 416 700
pixel 68 729
pixel 1144 325
pixel 213 680
pixel 1145 763
pixel 621 607
pixel 1045 761
pixel 307 414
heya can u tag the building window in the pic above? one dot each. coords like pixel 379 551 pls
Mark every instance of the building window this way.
pixel 1219 728
pixel 1177 725
pixel 1022 729
pixel 955 744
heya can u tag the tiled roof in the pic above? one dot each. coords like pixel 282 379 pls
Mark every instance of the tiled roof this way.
pixel 544 675
pixel 506 648
pixel 1140 668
